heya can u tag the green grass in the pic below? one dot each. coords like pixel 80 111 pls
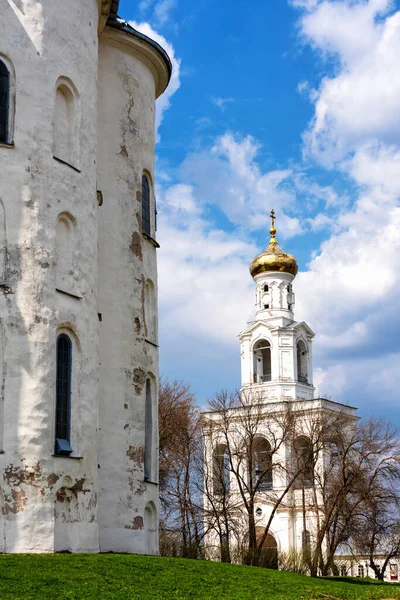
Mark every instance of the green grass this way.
pixel 104 576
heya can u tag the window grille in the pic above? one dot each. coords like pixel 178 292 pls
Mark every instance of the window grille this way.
pixel 4 101
pixel 63 395
pixel 145 206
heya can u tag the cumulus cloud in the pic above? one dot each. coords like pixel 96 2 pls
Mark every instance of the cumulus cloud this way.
pixel 360 102
pixel 205 288
pixel 348 293
pixel 228 175
pixel 160 10
pixel 164 101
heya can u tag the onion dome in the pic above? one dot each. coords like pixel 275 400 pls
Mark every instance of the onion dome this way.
pixel 273 258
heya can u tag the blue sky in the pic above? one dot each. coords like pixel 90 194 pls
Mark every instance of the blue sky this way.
pixel 292 105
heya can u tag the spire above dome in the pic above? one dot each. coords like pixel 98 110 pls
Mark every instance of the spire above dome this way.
pixel 273 258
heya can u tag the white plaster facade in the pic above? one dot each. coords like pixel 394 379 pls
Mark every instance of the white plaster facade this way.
pixel 277 376
pixel 74 260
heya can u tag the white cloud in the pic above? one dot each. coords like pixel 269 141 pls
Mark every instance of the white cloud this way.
pixel 205 287
pixel 229 176
pixel 161 10
pixel 221 102
pixel 360 102
pixel 164 101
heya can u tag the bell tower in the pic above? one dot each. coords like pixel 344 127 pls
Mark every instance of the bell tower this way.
pixel 276 350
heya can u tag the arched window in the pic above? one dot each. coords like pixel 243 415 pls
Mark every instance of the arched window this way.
pixel 150 307
pixel 63 395
pixel 146 225
pixel 4 101
pixel 221 470
pixel 304 461
pixel 65 248
pixel 262 464
pixel 66 123
pixel 302 371
pixel 148 434
pixel 262 361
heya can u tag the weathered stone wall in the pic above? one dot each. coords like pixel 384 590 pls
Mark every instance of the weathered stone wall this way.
pixel 127 261
pixel 44 41
pixel 82 121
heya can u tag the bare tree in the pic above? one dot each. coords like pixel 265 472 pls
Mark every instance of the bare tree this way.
pixel 376 530
pixel 360 465
pixel 246 446
pixel 180 448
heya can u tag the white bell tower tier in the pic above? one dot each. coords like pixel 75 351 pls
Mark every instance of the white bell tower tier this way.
pixel 276 351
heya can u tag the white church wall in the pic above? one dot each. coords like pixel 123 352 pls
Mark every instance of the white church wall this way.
pixel 128 351
pixel 44 41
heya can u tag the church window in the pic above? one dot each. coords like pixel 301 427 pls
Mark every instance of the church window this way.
pixel 65 245
pixel 266 288
pixel 334 457
pixel 305 540
pixel 146 225
pixel 66 125
pixel 262 361
pixel 4 101
pixel 150 310
pixel 262 464
pixel 302 374
pixel 148 433
pixel 63 395
pixel 304 462
pixel 221 470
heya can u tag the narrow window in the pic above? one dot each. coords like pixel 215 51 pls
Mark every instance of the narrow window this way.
pixel 66 123
pixel 266 288
pixel 305 540
pixel 63 395
pixel 4 101
pixel 360 571
pixel 145 206
pixel 304 462
pixel 262 361
pixel 221 470
pixel 148 434
pixel 302 375
pixel 262 464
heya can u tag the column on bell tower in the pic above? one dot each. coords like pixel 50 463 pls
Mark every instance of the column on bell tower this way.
pixel 276 352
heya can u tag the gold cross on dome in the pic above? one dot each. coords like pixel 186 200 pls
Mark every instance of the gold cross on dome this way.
pixel 272 215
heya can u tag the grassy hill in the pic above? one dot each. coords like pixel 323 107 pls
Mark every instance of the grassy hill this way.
pixel 125 577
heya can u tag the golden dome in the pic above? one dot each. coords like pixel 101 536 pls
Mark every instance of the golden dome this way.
pixel 273 258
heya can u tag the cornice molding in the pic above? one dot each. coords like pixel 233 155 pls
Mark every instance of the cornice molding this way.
pixel 143 48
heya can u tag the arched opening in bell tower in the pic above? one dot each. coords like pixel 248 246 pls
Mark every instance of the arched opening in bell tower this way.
pixel 262 464
pixel 302 370
pixel 262 361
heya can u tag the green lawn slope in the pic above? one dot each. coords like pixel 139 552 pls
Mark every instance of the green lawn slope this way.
pixel 103 576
